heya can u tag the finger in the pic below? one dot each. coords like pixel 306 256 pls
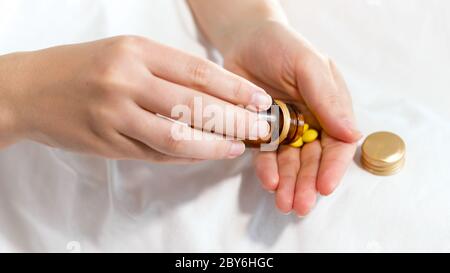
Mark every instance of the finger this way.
pixel 283 94
pixel 132 149
pixel 201 111
pixel 273 89
pixel 266 167
pixel 204 75
pixel 305 189
pixel 326 94
pixel 350 115
pixel 288 167
pixel 336 157
pixel 177 140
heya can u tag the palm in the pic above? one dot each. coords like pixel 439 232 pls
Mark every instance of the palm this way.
pixel 277 59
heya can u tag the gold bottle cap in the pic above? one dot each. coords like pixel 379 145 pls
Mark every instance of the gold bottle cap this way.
pixel 383 153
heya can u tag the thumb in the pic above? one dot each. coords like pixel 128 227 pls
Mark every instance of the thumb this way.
pixel 326 94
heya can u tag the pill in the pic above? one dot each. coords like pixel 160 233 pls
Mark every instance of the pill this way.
pixel 298 143
pixel 310 136
pixel 305 127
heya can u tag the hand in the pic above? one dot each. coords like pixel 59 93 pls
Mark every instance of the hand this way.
pixel 275 57
pixel 107 98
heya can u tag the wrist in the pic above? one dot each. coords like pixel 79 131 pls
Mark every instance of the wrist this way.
pixel 236 33
pixel 225 22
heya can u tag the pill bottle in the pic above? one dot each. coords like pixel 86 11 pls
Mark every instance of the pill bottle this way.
pixel 286 126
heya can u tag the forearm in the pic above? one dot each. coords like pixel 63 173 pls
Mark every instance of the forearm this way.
pixel 221 21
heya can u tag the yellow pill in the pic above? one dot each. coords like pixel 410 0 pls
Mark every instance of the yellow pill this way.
pixel 298 143
pixel 310 135
pixel 305 127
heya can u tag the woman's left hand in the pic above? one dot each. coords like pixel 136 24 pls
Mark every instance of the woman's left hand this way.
pixel 275 57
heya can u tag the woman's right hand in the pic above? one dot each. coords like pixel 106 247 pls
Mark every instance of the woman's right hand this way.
pixel 107 98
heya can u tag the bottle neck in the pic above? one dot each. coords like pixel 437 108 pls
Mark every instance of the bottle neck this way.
pixel 296 124
pixel 286 123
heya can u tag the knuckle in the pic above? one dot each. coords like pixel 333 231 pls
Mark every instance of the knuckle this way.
pixel 238 91
pixel 119 50
pixel 289 163
pixel 199 72
pixel 106 77
pixel 107 82
pixel 307 177
pixel 98 113
pixel 308 165
pixel 127 44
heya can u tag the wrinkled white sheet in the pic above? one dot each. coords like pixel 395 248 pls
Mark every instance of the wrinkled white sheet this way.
pixel 395 56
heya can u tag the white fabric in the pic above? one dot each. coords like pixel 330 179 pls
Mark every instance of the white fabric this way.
pixel 394 54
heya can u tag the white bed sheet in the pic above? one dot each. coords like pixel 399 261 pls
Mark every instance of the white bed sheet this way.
pixel 395 56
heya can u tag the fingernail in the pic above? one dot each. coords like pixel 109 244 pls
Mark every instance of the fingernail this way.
pixel 237 148
pixel 261 100
pixel 260 129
